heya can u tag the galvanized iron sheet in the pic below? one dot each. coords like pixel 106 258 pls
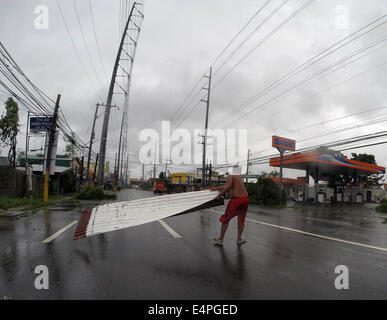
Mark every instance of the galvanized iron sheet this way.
pixel 120 215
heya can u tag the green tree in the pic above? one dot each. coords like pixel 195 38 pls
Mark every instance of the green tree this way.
pixel 264 192
pixel 364 157
pixel 9 128
pixel 271 174
pixel 369 180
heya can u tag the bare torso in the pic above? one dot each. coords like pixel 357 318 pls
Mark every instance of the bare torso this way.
pixel 235 185
pixel 238 189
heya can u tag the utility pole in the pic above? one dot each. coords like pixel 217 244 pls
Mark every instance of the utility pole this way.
pixel 124 122
pixel 281 171
pixel 206 174
pixel 116 178
pixel 27 178
pixel 126 171
pixel 210 174
pixel 115 167
pixel 166 167
pixel 206 127
pixel 142 177
pixel 95 169
pixel 154 173
pixel 247 168
pixel 91 142
pixel 49 149
pixel 82 168
pixel 121 168
pixel 102 148
pixel 113 81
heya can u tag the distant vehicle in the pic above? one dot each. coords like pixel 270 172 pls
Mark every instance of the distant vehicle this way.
pixel 159 187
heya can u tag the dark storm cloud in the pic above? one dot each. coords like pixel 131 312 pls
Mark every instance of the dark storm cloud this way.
pixel 179 40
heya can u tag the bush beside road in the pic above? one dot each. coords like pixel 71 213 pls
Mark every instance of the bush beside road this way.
pixel 264 192
pixel 27 204
pixel 9 203
pixel 382 207
pixel 94 193
pixel 16 206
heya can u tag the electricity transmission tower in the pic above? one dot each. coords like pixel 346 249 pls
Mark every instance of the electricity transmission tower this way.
pixel 123 67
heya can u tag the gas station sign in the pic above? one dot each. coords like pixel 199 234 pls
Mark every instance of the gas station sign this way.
pixel 283 143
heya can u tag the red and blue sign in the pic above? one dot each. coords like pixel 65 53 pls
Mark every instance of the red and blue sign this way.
pixel 283 143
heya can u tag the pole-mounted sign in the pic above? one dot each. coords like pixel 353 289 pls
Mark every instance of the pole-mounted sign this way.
pixel 39 124
pixel 282 144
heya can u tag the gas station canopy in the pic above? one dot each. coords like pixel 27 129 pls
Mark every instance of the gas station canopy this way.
pixel 326 164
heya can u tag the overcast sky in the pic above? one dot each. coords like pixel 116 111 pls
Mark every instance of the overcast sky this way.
pixel 179 41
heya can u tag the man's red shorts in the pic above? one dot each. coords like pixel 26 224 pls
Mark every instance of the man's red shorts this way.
pixel 236 207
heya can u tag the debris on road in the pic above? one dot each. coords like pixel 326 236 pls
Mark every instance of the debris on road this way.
pixel 121 215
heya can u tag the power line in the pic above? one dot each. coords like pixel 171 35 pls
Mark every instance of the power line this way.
pixel 304 81
pixel 323 123
pixel 326 89
pixel 292 16
pixel 186 98
pixel 182 107
pixel 239 32
pixel 353 125
pixel 336 143
pixel 97 42
pixel 309 62
pixel 276 9
pixel 34 99
pixel 74 47
pixel 363 146
pixel 268 36
pixel 85 43
pixel 186 116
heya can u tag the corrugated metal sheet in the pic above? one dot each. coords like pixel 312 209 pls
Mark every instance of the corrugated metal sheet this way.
pixel 121 215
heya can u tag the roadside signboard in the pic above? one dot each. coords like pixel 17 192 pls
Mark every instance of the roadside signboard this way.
pixel 39 124
pixel 283 143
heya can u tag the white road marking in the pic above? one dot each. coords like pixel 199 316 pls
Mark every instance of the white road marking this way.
pixel 329 221
pixel 170 230
pixel 311 234
pixel 58 233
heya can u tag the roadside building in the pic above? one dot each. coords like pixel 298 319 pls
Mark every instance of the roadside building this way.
pixel 62 181
pixel 189 181
pixel 135 181
pixel 293 188
pixel 184 181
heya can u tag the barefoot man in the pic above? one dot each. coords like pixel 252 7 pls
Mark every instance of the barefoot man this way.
pixel 237 205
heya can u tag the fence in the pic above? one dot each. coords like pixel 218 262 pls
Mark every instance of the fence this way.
pixel 13 183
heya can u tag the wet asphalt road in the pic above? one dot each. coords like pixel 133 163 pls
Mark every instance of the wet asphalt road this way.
pixel 147 262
